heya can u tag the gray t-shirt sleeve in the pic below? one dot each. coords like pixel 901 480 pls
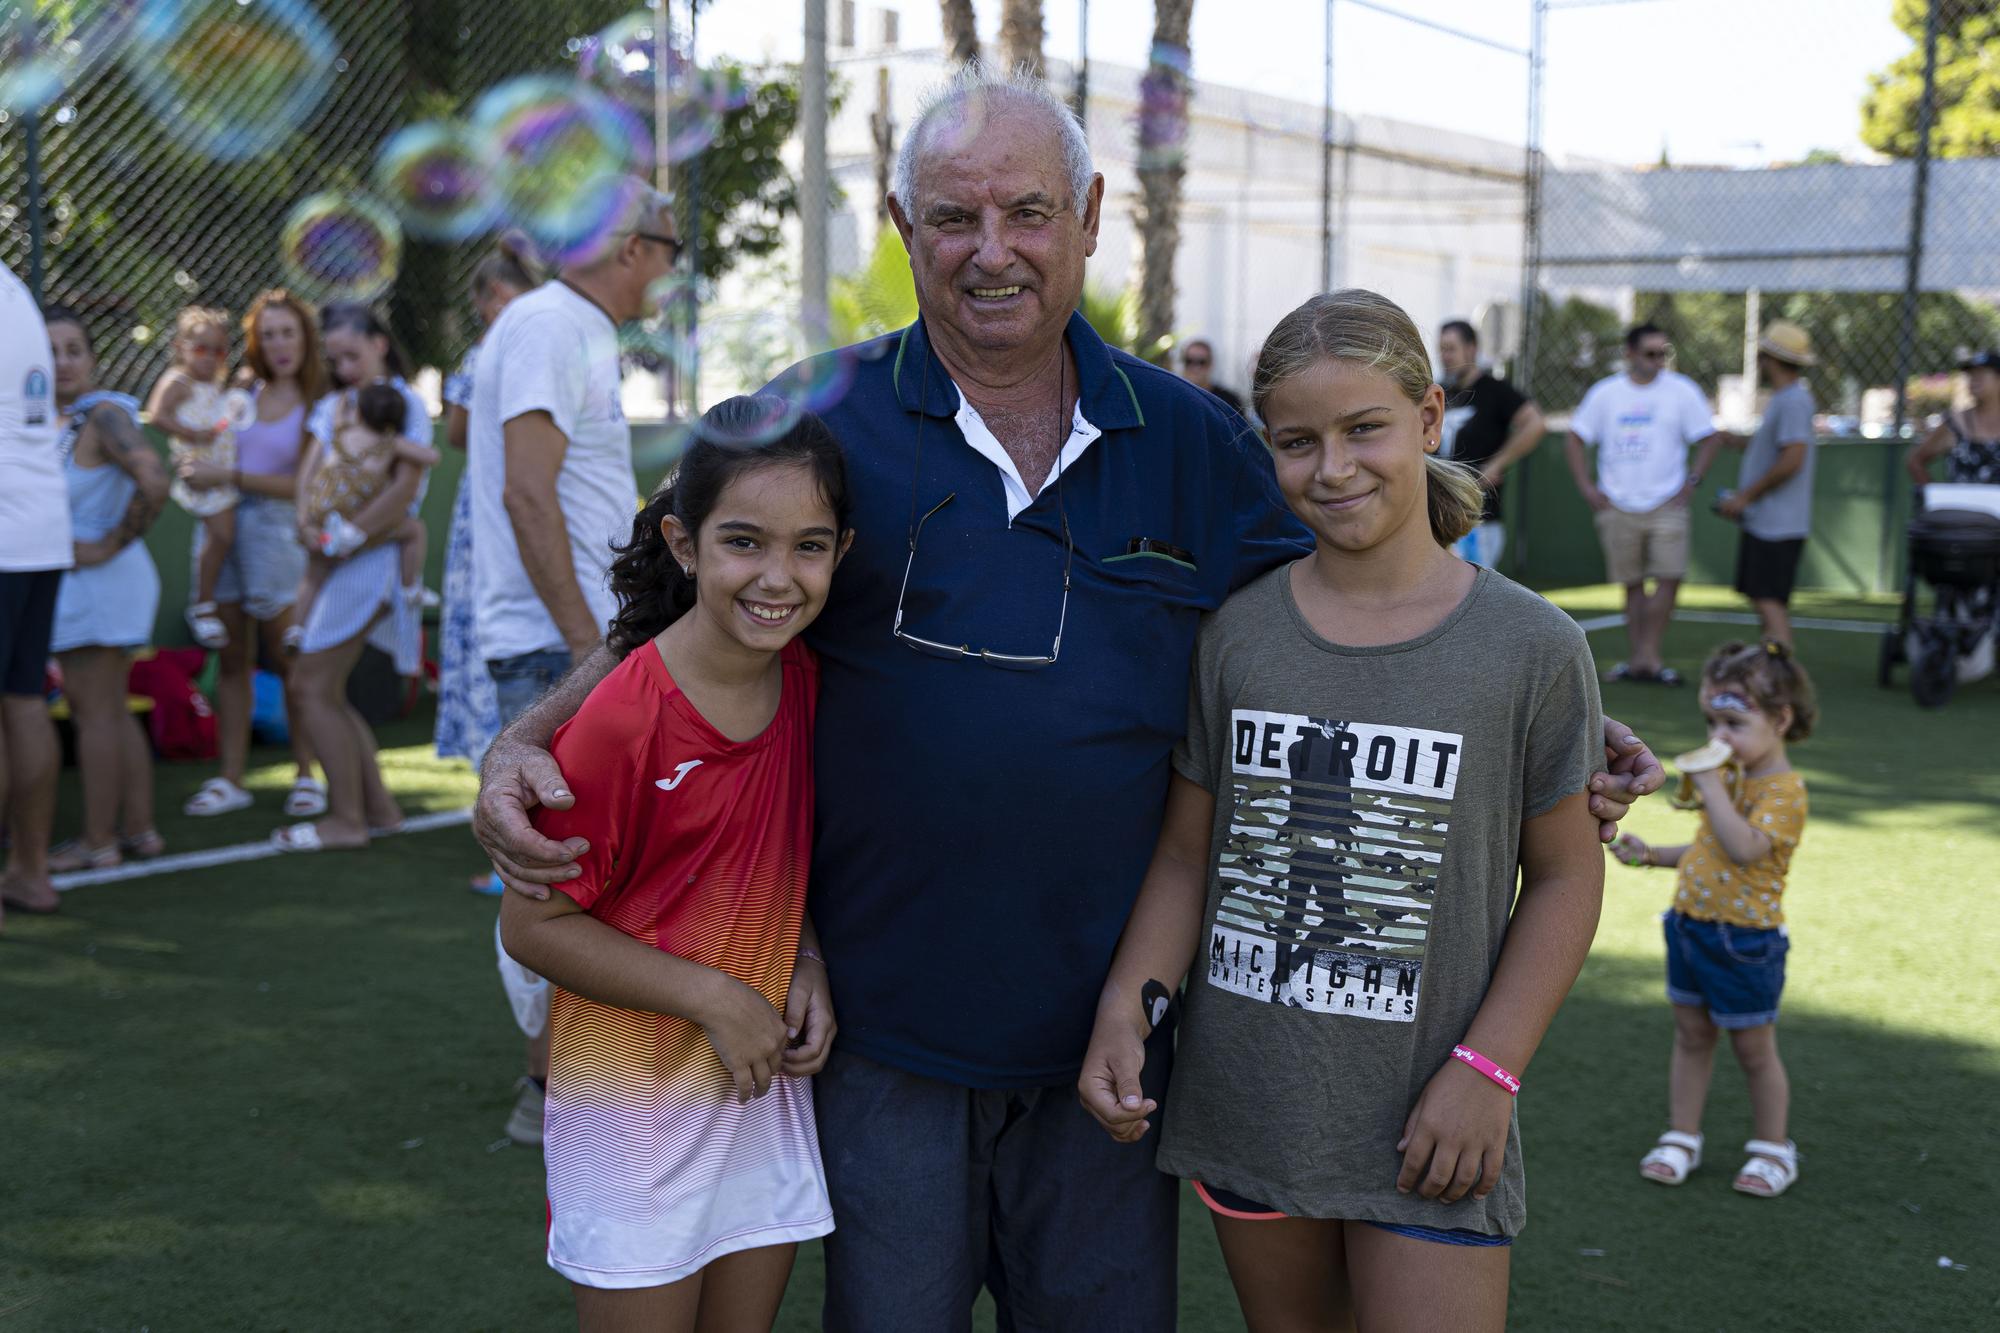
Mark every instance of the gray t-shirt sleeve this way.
pixel 1564 748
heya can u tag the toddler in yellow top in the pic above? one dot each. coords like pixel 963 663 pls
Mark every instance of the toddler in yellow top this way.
pixel 1726 935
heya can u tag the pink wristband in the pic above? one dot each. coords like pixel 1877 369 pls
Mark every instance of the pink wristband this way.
pixel 1488 1068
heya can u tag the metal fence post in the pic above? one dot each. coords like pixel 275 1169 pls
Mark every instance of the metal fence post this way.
pixel 32 124
pixel 1906 342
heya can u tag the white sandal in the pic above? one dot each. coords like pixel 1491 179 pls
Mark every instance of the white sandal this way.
pixel 206 625
pixel 218 796
pixel 1772 1166
pixel 292 639
pixel 307 798
pixel 1676 1155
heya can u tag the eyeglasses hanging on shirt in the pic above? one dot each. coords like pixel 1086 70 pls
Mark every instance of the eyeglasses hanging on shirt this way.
pixel 931 647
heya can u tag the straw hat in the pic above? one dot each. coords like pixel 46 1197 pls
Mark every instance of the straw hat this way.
pixel 1787 342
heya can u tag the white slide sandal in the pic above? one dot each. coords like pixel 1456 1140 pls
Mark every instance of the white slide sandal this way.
pixel 1771 1170
pixel 1672 1159
pixel 218 796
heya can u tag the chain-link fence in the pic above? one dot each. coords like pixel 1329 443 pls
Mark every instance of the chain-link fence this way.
pixel 177 135
pixel 1886 262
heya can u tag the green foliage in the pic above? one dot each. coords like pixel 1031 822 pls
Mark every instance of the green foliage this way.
pixel 739 188
pixel 879 299
pixel 1967 123
pixel 1578 343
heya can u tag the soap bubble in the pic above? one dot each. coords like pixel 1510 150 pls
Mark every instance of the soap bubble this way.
pixel 560 151
pixel 625 62
pixel 440 177
pixel 740 349
pixel 230 80
pixel 341 247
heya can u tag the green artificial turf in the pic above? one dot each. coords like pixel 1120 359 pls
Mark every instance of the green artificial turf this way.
pixel 270 1095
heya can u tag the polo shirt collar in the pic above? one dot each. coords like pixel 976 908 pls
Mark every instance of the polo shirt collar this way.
pixel 1106 395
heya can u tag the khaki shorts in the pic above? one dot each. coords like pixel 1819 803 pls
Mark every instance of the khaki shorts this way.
pixel 1637 547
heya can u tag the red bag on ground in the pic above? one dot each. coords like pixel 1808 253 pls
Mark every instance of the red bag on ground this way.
pixel 183 724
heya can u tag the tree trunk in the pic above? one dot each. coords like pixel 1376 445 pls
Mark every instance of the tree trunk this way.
pixel 1163 129
pixel 1021 35
pixel 961 31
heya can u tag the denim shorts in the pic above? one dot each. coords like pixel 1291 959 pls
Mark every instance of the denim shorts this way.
pixel 1223 1203
pixel 519 681
pixel 263 568
pixel 1736 972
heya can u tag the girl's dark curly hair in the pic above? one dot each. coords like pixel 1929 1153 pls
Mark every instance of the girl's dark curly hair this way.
pixel 1772 677
pixel 652 589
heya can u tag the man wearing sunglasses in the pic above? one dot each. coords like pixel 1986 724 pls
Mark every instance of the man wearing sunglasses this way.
pixel 549 457
pixel 1040 522
pixel 1641 423
pixel 1198 369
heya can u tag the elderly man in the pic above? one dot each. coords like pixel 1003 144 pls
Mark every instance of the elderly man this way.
pixel 1040 523
pixel 549 458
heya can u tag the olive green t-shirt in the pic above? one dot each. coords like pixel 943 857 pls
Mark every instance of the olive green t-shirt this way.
pixel 1363 867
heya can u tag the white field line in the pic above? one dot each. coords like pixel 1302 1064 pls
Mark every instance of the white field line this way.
pixel 1615 619
pixel 242 851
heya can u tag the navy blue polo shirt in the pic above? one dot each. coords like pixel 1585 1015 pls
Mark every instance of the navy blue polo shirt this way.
pixel 981 833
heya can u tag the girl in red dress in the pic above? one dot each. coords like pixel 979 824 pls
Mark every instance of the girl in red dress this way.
pixel 691 1004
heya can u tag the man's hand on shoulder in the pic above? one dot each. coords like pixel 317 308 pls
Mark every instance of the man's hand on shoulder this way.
pixel 515 778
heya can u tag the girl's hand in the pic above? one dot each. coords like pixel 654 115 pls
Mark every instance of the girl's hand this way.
pixel 1109 1087
pixel 87 554
pixel 1632 850
pixel 1456 1136
pixel 808 1019
pixel 1711 786
pixel 203 475
pixel 747 1034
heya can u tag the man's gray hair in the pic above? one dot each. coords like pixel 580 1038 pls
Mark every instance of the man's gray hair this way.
pixel 1019 90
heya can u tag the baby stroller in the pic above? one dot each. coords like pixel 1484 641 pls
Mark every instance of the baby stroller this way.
pixel 1955 548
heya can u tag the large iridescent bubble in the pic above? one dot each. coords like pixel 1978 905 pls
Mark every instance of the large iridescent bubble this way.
pixel 440 177
pixel 561 151
pixel 228 80
pixel 629 62
pixel 341 247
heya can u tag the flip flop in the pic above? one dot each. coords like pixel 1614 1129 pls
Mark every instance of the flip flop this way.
pixel 1629 674
pixel 38 907
pixel 1669 676
pixel 68 857
pixel 144 846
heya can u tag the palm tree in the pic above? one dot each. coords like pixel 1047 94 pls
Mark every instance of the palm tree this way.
pixel 1021 35
pixel 961 31
pixel 1163 128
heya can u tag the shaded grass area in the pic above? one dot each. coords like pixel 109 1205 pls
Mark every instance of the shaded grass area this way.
pixel 271 1095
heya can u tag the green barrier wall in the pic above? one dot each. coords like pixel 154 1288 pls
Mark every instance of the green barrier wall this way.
pixel 1551 541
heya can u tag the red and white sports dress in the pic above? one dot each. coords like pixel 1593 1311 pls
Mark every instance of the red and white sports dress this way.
pixel 698 845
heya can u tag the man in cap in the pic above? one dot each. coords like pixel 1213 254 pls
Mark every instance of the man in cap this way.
pixel 1773 496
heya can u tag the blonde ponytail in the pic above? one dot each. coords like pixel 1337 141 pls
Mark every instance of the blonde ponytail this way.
pixel 1455 498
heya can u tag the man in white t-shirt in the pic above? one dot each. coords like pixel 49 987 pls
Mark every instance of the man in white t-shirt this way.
pixel 549 454
pixel 35 549
pixel 1641 424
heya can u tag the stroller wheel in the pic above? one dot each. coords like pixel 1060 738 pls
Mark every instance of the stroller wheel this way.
pixel 1933 676
pixel 1887 659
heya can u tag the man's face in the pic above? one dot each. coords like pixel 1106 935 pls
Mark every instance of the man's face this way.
pixel 996 242
pixel 1647 358
pixel 1457 354
pixel 1198 363
pixel 645 259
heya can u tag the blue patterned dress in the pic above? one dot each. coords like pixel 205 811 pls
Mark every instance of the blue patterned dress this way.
pixel 468 715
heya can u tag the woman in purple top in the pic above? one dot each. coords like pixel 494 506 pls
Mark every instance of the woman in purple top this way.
pixel 282 355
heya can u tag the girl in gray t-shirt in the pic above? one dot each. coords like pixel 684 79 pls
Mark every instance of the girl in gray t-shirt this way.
pixel 1380 736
